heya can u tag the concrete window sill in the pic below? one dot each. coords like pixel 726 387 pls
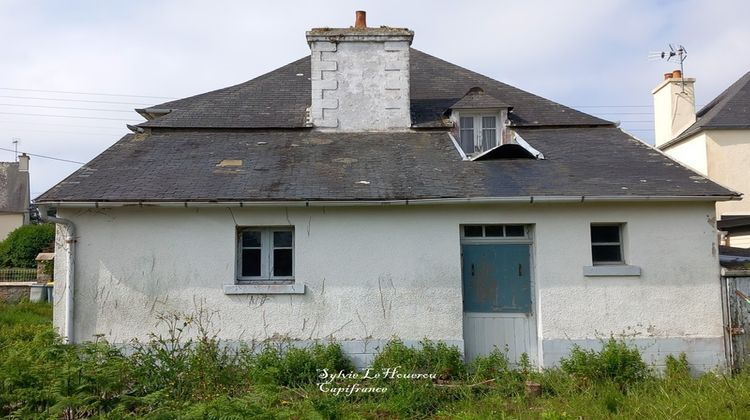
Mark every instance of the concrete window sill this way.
pixel 264 289
pixel 612 271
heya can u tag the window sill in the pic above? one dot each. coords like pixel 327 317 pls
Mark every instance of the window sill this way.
pixel 612 271
pixel 264 289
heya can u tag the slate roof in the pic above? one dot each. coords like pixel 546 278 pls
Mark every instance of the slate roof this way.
pixel 731 109
pixel 278 99
pixel 303 164
pixel 14 188
pixel 249 143
pixel 476 98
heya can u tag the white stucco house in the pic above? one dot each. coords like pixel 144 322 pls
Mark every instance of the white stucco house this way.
pixel 14 195
pixel 714 142
pixel 370 191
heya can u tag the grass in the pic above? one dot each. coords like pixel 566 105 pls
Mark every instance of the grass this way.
pixel 174 376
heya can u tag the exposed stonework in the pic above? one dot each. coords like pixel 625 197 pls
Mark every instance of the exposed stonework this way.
pixel 360 79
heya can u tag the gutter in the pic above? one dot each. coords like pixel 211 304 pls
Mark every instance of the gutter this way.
pixel 70 239
pixel 417 202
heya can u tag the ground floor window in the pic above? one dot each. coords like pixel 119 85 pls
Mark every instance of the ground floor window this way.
pixel 265 253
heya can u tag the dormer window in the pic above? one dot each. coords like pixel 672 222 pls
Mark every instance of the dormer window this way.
pixel 478 121
pixel 478 133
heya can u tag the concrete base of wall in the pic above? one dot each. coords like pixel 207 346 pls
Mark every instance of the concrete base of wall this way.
pixel 14 292
pixel 703 353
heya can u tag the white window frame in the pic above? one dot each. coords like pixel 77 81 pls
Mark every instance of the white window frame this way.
pixel 468 240
pixel 266 255
pixel 620 243
pixel 478 127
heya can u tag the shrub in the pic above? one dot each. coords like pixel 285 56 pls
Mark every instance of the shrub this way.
pixel 22 245
pixel 615 362
pixel 677 367
pixel 438 358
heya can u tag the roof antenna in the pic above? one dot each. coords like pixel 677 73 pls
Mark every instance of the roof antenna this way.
pixel 676 53
pixel 15 141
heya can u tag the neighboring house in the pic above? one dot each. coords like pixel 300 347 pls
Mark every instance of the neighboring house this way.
pixel 715 142
pixel 14 195
pixel 371 191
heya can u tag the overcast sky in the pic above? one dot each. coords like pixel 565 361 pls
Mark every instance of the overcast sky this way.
pixel 592 55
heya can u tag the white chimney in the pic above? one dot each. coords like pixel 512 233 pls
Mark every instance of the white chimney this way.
pixel 360 77
pixel 23 162
pixel 674 106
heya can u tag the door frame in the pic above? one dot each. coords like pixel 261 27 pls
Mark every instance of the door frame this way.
pixel 535 352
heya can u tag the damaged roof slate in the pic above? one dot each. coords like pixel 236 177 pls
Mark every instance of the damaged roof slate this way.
pixel 281 165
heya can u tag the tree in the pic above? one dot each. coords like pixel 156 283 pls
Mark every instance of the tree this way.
pixel 22 245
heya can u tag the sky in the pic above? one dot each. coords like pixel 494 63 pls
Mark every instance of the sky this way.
pixel 107 57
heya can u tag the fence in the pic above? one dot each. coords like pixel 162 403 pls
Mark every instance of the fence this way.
pixel 18 274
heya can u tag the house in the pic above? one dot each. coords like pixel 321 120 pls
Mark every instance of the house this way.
pixel 715 142
pixel 14 195
pixel 370 191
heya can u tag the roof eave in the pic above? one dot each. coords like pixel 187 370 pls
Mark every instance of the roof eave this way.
pixel 404 202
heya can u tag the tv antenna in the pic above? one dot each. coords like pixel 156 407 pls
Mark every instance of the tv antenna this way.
pixel 677 54
pixel 15 141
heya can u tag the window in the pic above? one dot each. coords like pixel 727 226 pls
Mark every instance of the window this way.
pixel 478 133
pixel 265 253
pixel 606 244
pixel 494 231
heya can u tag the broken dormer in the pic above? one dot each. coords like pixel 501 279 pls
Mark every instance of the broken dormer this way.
pixel 479 121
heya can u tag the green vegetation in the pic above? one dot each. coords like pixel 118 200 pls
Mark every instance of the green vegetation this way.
pixel 188 373
pixel 22 245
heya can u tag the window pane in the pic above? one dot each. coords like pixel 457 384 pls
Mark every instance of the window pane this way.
pixel 251 262
pixel 466 123
pixel 488 139
pixel 282 239
pixel 514 230
pixel 493 230
pixel 606 253
pixel 251 239
pixel 473 231
pixel 489 122
pixel 605 233
pixel 282 262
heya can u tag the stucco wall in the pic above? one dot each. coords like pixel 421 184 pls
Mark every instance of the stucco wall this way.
pixel 9 222
pixel 377 272
pixel 729 165
pixel 692 153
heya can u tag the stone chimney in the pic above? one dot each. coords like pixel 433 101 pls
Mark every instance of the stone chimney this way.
pixel 674 106
pixel 360 77
pixel 23 162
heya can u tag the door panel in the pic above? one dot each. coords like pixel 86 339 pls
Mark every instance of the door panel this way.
pixel 496 278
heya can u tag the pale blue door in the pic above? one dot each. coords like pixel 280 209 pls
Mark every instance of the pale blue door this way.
pixel 497 295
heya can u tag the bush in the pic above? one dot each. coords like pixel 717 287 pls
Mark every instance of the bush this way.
pixel 615 362
pixel 22 245
pixel 438 358
pixel 677 367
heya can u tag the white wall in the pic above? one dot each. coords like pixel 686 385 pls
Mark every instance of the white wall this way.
pixel 692 153
pixel 9 222
pixel 391 271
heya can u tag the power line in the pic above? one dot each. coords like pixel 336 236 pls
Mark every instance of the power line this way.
pixel 67 107
pixel 66 116
pixel 45 157
pixel 23 123
pixel 85 93
pixel 78 133
pixel 74 100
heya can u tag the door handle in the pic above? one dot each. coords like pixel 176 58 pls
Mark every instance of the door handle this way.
pixel 472 270
pixel 520 270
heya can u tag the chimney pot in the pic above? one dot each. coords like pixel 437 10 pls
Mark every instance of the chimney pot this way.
pixel 667 76
pixel 677 74
pixel 361 19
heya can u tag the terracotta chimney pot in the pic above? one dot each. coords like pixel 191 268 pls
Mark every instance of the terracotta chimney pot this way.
pixel 361 20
